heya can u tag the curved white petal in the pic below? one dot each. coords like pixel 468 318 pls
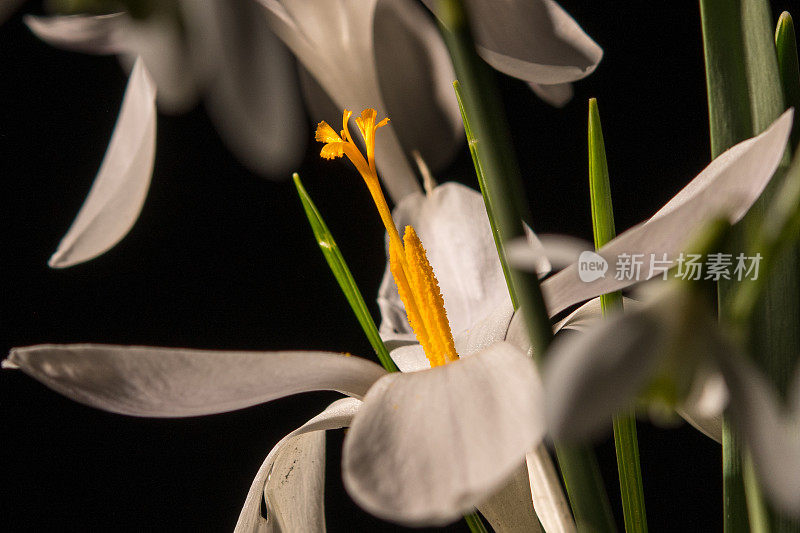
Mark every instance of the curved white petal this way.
pixel 557 95
pixel 334 41
pixel 589 377
pixel 252 91
pixel 291 479
pixel 510 509
pixel 555 251
pixel 121 185
pixel 100 34
pixel 727 187
pixel 176 382
pixel 452 224
pixel 426 447
pixel 771 431
pixel 581 320
pixel 534 40
pixel 417 84
pixel 548 496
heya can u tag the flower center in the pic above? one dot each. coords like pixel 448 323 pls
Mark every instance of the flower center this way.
pixel 408 262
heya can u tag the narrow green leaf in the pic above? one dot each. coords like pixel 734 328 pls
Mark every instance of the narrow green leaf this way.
pixel 789 68
pixel 505 198
pixel 599 182
pixel 342 273
pixel 475 523
pixel 625 440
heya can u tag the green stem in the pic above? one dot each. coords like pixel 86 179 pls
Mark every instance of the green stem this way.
pixel 472 142
pixel 496 162
pixel 745 95
pixel 343 276
pixel 625 440
pixel 504 194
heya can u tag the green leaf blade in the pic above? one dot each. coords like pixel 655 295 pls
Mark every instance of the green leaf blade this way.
pixel 625 438
pixel 337 264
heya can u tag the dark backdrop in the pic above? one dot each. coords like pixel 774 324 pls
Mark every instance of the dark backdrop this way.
pixel 221 258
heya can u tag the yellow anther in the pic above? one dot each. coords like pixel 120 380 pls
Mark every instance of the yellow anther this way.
pixel 430 304
pixel 416 283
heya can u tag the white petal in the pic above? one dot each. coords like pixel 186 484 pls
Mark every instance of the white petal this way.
pixel 727 187
pixel 334 41
pixel 291 479
pixel 581 319
pixel 548 497
pixel 100 34
pixel 427 447
pixel 253 95
pixel 589 377
pixel 174 382
pixel 119 190
pixel 417 85
pixel 410 357
pixel 557 95
pixel 510 509
pixel 558 251
pixel 589 313
pixel 772 434
pixel 490 330
pixel 452 224
pixel 534 40
pixel 704 407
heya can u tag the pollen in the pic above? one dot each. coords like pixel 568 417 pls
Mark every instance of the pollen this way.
pixel 408 262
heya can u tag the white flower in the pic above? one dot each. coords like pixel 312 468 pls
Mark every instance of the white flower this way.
pixel 424 447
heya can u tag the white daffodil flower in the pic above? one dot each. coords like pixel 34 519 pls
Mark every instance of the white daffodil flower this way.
pixel 227 51
pixel 535 41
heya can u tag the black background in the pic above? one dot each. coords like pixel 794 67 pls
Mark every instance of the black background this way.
pixel 221 258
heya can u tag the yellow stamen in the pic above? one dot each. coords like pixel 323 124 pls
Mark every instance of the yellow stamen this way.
pixel 408 262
